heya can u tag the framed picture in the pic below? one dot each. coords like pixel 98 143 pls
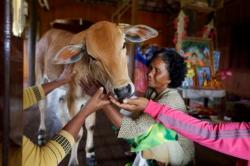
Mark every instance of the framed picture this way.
pixel 198 52
pixel 216 59
pixel 203 76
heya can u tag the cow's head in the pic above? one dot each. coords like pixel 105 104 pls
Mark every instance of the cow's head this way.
pixel 104 42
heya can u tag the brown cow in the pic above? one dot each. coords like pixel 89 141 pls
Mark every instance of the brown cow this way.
pixel 99 54
pixel 103 59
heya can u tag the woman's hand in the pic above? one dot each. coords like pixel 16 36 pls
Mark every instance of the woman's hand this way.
pixel 95 103
pixel 132 105
pixel 64 78
pixel 90 87
pixel 98 101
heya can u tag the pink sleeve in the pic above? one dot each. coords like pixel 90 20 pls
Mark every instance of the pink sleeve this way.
pixel 230 138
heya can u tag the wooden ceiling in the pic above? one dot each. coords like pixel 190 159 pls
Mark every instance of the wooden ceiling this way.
pixel 112 10
pixel 159 6
pixel 167 7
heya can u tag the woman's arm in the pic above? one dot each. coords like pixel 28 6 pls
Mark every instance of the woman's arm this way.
pixel 128 127
pixel 113 115
pixel 229 138
pixel 96 102
pixel 64 78
pixel 32 95
pixel 60 145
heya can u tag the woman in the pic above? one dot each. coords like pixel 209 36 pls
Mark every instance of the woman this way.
pixel 167 71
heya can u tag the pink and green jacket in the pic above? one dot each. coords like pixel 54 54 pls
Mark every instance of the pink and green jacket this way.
pixel 232 138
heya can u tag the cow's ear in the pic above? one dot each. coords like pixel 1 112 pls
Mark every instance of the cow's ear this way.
pixel 139 33
pixel 69 54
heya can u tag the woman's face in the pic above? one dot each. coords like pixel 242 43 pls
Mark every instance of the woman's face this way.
pixel 158 76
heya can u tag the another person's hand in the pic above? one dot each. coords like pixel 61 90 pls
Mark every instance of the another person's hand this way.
pixel 90 87
pixel 98 101
pixel 134 105
pixel 67 74
pixel 64 78
pixel 95 103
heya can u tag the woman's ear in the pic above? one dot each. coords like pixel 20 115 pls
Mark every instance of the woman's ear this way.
pixel 168 81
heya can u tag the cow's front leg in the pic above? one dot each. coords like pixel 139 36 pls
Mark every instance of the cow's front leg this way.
pixel 75 101
pixel 89 148
pixel 41 137
pixel 64 113
pixel 74 107
pixel 89 124
pixel 73 161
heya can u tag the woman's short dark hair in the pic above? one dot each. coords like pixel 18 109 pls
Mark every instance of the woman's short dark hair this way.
pixel 175 65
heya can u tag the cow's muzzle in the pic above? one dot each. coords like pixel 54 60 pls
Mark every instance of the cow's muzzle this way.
pixel 124 92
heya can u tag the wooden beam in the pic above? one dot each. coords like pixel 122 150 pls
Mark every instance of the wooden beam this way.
pixel 7 26
pixel 134 11
pixel 32 40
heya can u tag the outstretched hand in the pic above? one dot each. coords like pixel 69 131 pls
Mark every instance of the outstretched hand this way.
pixel 132 105
pixel 64 78
pixel 98 101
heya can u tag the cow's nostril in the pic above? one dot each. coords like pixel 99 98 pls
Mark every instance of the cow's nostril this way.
pixel 123 92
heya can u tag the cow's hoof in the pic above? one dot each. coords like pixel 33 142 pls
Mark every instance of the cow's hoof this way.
pixel 91 161
pixel 41 137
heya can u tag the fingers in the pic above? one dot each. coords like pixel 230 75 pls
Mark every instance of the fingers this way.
pixel 100 98
pixel 68 68
pixel 125 101
pixel 131 101
pixel 96 83
pixel 105 102
pixel 99 92
pixel 90 86
pixel 83 85
pixel 114 101
pixel 121 105
pixel 67 73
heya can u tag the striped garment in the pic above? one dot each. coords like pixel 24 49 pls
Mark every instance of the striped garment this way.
pixel 55 150
pixel 49 155
pixel 32 95
pixel 232 138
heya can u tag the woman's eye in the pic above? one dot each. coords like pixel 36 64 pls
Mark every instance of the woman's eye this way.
pixel 124 46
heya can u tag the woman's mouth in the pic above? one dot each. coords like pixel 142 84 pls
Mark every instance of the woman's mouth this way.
pixel 150 82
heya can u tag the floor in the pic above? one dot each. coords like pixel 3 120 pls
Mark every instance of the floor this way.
pixel 110 151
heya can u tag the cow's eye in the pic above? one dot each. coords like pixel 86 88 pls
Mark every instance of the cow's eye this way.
pixel 92 58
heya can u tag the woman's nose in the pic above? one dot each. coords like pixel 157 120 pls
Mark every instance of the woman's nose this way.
pixel 150 73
